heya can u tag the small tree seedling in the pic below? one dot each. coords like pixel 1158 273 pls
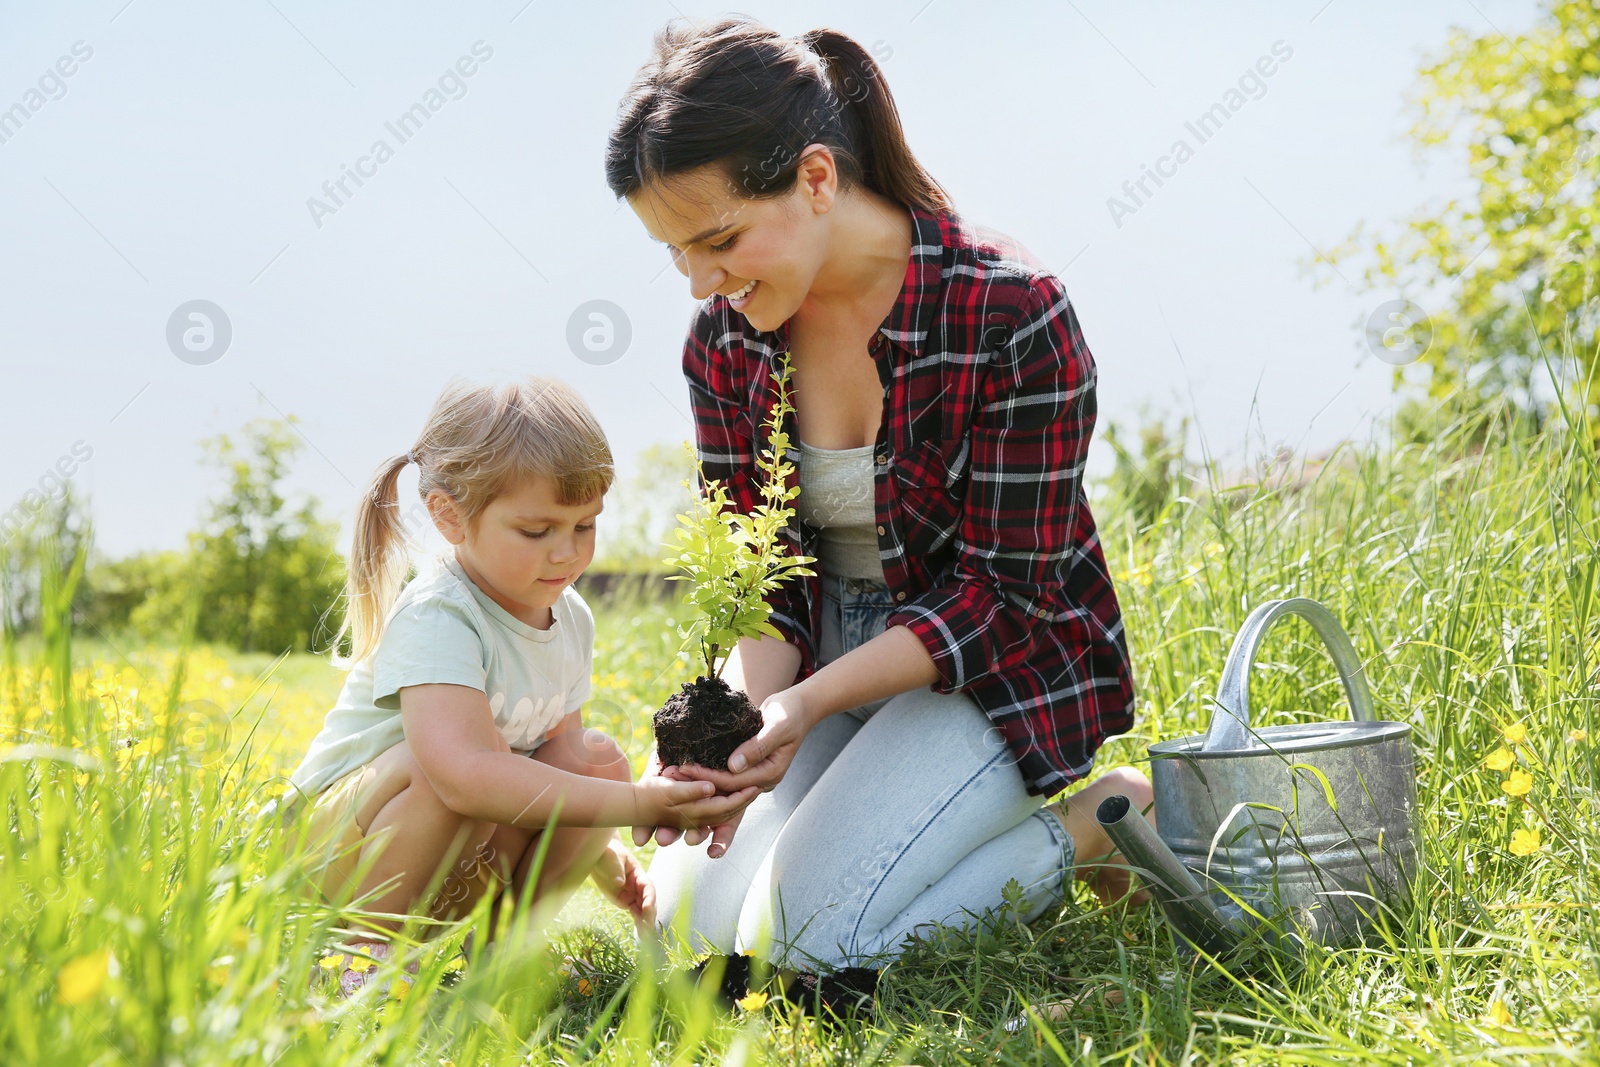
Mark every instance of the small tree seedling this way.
pixel 734 562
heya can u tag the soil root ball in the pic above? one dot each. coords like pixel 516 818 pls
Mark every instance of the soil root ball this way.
pixel 703 723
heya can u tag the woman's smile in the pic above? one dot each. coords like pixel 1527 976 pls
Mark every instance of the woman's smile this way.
pixel 740 298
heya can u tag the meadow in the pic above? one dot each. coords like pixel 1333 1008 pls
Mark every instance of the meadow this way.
pixel 150 920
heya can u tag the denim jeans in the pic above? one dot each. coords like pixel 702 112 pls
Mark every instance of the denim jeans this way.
pixel 892 816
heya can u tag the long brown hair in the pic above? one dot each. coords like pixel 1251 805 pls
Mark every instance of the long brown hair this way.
pixel 479 440
pixel 737 94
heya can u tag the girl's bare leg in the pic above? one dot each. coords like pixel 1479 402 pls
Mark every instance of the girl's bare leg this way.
pixel 1097 858
pixel 572 850
pixel 412 832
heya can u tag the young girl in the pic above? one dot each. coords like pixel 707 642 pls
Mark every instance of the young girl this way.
pixel 458 743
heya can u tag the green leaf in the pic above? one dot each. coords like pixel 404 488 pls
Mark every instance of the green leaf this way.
pixel 734 560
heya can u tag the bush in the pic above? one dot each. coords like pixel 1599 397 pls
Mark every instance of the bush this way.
pixel 257 576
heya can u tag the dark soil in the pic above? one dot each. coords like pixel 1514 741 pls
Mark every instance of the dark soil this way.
pixel 703 723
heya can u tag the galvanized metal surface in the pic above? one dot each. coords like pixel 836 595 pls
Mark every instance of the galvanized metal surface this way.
pixel 1230 722
pixel 1312 826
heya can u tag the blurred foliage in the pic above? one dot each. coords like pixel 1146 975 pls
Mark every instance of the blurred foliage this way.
pixel 260 574
pixel 49 540
pixel 1140 486
pixel 642 512
pixel 1508 273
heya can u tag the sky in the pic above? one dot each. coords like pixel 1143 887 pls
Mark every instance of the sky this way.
pixel 187 166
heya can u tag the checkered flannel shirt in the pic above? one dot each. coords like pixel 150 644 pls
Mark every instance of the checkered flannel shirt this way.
pixel 984 532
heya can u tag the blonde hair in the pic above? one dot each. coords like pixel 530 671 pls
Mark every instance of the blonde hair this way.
pixel 479 442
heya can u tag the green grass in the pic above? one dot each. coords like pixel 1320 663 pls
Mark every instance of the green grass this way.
pixel 149 920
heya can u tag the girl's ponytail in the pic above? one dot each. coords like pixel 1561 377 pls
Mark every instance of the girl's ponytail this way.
pixel 873 123
pixel 378 564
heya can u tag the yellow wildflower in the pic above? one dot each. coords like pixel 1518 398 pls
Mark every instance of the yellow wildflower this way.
pixel 1500 759
pixel 1520 784
pixel 331 963
pixel 753 1001
pixel 585 987
pixel 1498 1013
pixel 399 988
pixel 1214 548
pixel 1524 842
pixel 217 974
pixel 1515 734
pixel 79 980
pixel 1577 735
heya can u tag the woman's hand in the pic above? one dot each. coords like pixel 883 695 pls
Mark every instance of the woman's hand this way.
pixel 621 880
pixel 761 762
pixel 764 759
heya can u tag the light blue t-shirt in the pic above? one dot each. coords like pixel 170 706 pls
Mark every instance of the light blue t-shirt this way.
pixel 444 629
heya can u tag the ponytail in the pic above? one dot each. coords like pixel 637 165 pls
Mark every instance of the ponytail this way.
pixel 873 123
pixel 738 95
pixel 378 564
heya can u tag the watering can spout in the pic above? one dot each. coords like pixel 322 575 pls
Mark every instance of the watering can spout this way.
pixel 1188 907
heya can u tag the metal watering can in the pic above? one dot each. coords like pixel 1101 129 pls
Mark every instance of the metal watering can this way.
pixel 1283 834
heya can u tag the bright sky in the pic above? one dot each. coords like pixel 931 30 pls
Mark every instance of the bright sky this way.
pixel 176 161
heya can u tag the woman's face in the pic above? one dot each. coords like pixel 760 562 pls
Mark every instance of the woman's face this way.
pixel 766 251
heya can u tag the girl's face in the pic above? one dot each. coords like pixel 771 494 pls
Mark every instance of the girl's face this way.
pixel 525 547
pixel 767 251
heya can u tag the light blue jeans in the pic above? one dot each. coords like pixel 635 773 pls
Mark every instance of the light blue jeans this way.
pixel 893 816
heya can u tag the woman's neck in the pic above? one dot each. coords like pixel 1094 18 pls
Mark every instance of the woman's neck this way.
pixel 869 245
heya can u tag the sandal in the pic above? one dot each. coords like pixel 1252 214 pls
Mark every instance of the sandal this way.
pixel 359 969
pixel 844 993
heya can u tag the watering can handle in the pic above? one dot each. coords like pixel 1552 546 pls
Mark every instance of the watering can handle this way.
pixel 1230 720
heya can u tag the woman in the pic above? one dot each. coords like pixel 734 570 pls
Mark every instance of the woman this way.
pixel 960 655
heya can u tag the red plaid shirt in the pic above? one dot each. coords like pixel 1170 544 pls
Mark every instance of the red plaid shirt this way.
pixel 985 534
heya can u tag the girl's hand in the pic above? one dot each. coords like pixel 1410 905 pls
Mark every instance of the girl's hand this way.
pixel 684 803
pixel 621 880
pixel 664 835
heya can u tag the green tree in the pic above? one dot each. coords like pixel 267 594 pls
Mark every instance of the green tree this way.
pixel 642 513
pixel 47 542
pixel 1140 487
pixel 261 575
pixel 1508 274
